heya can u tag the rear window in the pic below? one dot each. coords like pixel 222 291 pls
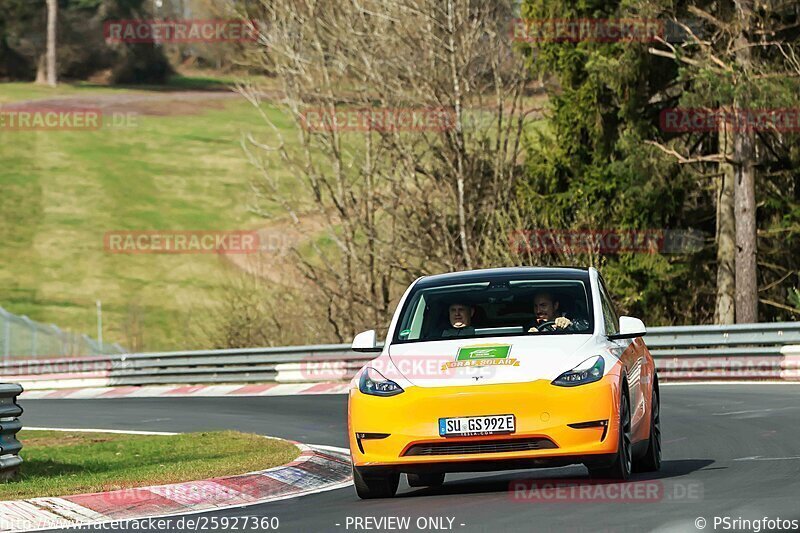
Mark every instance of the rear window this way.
pixel 495 308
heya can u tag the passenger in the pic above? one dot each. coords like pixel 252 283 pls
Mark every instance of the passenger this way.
pixel 460 320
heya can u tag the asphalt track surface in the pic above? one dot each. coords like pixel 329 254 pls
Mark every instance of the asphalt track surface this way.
pixel 729 451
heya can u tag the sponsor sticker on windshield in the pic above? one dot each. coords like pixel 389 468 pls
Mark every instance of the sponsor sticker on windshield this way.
pixel 482 355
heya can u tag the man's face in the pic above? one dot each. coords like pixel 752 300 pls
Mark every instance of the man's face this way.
pixel 545 308
pixel 460 315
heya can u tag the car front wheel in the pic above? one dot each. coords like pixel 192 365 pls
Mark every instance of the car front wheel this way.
pixel 651 462
pixel 620 469
pixel 372 484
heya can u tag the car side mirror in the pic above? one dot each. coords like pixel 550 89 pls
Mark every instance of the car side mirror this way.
pixel 366 341
pixel 629 328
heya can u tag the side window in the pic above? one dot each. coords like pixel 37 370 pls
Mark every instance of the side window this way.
pixel 416 321
pixel 610 317
pixel 410 327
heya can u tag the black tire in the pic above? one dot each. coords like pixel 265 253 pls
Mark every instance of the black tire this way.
pixel 620 469
pixel 9 475
pixel 651 462
pixel 371 484
pixel 425 480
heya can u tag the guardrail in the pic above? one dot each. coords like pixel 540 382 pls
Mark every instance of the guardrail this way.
pixel 736 339
pixel 744 351
pixel 761 351
pixel 10 424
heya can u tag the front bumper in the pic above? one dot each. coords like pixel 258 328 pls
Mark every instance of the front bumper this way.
pixel 542 410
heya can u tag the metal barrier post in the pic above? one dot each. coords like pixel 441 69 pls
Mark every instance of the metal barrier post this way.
pixel 62 339
pixel 6 335
pixel 32 328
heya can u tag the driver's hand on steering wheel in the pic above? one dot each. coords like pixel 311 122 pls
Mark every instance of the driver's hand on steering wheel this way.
pixel 563 322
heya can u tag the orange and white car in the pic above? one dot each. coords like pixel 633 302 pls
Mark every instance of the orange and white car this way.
pixel 503 369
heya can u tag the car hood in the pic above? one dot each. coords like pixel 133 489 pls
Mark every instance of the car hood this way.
pixel 484 361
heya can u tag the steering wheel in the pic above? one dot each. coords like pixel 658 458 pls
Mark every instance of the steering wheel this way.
pixel 550 325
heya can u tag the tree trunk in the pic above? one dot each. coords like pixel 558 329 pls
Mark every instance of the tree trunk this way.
pixel 726 234
pixel 52 17
pixel 41 70
pixel 745 213
pixel 452 50
pixel 745 181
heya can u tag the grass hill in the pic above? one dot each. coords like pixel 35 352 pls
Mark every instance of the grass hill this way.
pixel 178 165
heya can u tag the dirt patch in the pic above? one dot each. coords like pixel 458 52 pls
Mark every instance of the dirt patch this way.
pixel 275 261
pixel 150 104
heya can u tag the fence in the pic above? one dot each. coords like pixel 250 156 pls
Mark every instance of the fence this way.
pixel 9 426
pixel 747 351
pixel 21 337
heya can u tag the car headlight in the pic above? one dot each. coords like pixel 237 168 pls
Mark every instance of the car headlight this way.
pixel 374 383
pixel 589 371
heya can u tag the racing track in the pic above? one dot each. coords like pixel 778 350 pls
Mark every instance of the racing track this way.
pixel 735 447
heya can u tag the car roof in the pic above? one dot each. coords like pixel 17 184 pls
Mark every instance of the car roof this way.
pixel 491 274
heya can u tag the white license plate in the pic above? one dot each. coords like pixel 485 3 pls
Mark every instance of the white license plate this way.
pixel 476 425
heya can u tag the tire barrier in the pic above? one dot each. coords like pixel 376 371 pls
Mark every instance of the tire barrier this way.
pixel 10 424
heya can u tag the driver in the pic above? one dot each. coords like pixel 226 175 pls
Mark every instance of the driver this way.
pixel 460 320
pixel 546 308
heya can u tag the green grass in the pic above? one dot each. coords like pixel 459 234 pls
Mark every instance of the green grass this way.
pixel 59 463
pixel 63 190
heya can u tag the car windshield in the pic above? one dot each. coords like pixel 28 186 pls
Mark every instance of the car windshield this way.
pixel 496 308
